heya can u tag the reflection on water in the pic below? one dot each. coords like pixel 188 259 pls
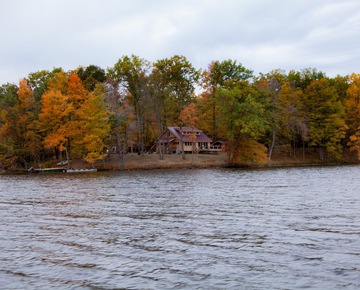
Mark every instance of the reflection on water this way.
pixel 209 229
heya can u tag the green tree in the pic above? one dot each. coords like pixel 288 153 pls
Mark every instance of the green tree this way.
pixel 160 93
pixel 269 86
pixel 302 79
pixel 214 78
pixel 8 101
pixel 176 79
pixel 131 73
pixel 8 95
pixel 91 76
pixel 242 112
pixel 341 84
pixel 38 82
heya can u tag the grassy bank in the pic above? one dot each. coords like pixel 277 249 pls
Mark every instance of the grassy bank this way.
pixel 152 161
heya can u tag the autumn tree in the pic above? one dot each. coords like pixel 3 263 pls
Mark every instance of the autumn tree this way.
pixel 27 120
pixel 19 137
pixel 352 113
pixel 93 121
pixel 354 143
pixel 73 112
pixel 55 115
pixel 352 104
pixel 77 95
pixel 292 121
pixel 72 119
pixel 325 115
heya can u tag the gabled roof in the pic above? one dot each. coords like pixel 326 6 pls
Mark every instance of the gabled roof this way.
pixel 200 137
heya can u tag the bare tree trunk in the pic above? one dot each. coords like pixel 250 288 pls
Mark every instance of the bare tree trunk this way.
pixel 193 137
pixel 168 143
pixel 192 156
pixel 322 152
pixel 212 98
pixel 182 145
pixel 303 150
pixel 214 123
pixel 294 155
pixel 120 148
pixel 61 159
pixel 161 144
pixel 67 157
pixel 161 154
pixel 115 101
pixel 272 143
pixel 118 141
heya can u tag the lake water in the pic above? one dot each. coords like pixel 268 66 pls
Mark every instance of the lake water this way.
pixel 289 228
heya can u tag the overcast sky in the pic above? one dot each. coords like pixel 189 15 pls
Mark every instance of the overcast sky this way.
pixel 261 34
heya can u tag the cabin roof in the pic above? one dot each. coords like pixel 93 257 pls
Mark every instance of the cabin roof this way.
pixel 200 137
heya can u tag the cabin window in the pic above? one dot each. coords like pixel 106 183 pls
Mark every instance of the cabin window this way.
pixel 203 145
pixel 190 133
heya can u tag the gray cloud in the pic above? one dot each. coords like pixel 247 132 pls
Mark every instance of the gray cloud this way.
pixel 261 34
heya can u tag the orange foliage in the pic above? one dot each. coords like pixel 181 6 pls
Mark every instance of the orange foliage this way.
pixel 248 152
pixel 53 118
pixel 76 90
pixel 189 116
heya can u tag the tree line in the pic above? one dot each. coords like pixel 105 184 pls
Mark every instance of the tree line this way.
pixel 88 111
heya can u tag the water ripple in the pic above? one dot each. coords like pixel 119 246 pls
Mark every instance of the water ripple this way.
pixel 182 229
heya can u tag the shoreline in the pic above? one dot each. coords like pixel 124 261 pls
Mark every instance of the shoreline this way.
pixel 134 161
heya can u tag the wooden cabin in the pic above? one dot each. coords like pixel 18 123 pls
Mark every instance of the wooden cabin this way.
pixel 219 146
pixel 192 138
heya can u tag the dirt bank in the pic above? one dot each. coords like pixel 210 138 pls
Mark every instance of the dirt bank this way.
pixel 152 161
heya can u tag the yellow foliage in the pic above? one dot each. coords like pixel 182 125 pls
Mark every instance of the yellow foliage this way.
pixel 355 143
pixel 248 152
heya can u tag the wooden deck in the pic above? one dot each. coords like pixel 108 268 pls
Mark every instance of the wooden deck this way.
pixel 210 150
